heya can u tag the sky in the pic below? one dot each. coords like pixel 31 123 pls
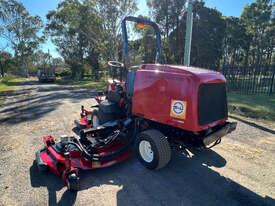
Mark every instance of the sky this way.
pixel 41 8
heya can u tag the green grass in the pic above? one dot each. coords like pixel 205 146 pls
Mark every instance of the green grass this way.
pixel 253 106
pixel 7 84
pixel 97 86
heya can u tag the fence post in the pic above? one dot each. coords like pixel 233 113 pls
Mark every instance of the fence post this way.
pixel 272 80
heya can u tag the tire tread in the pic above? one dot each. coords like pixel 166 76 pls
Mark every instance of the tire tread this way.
pixel 162 145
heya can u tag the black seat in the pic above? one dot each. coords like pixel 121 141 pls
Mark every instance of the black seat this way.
pixel 108 107
pixel 114 96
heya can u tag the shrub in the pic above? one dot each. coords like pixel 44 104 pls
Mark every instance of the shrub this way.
pixel 7 78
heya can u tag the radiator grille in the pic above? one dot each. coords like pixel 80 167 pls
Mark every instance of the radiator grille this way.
pixel 212 103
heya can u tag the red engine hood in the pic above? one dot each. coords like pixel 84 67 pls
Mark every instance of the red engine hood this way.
pixel 204 75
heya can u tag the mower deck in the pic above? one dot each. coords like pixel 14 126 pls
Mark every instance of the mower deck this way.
pixel 68 163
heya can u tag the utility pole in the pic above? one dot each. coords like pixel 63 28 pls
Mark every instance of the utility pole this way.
pixel 188 36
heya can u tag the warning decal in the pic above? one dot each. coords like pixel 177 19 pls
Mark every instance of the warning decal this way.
pixel 178 109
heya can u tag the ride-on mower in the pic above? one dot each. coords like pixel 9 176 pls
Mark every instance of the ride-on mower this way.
pixel 158 108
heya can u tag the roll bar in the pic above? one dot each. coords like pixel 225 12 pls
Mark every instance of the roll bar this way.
pixel 125 39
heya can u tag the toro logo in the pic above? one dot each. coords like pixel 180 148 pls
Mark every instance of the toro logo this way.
pixel 178 109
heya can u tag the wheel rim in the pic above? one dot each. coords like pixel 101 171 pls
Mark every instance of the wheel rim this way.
pixel 145 151
pixel 95 121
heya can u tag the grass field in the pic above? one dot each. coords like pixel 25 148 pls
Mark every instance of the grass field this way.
pixel 97 86
pixel 7 84
pixel 253 106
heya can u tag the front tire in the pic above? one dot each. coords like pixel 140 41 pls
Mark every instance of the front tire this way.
pixel 73 182
pixel 153 149
pixel 42 166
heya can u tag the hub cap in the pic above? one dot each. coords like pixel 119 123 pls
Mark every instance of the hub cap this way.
pixel 145 151
pixel 95 121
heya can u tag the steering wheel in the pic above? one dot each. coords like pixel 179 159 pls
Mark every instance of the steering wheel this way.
pixel 115 64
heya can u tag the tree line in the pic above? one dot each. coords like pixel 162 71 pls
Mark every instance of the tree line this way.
pixel 217 40
pixel 87 34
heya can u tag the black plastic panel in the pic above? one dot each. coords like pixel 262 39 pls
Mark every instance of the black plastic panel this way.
pixel 212 103
pixel 130 84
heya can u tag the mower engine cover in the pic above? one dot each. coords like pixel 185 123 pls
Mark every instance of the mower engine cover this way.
pixel 189 98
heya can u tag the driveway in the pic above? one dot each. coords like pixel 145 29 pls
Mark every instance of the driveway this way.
pixel 239 171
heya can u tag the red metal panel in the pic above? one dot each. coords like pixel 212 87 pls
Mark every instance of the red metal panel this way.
pixel 157 87
pixel 56 162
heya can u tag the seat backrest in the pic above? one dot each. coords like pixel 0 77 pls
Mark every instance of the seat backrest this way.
pixel 114 96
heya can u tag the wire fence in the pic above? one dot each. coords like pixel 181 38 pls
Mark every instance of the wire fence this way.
pixel 250 80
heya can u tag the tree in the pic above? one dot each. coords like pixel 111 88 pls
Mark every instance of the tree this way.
pixel 168 14
pixel 20 30
pixel 236 42
pixel 112 13
pixel 5 62
pixel 75 28
pixel 57 62
pixel 207 37
pixel 247 40
pixel 259 20
pixel 145 46
pixel 41 59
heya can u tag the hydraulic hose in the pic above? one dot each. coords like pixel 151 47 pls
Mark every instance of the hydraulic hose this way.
pixel 100 158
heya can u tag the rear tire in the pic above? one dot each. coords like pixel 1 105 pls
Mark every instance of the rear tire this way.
pixel 153 149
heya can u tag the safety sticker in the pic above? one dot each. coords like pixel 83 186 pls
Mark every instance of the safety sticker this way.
pixel 178 109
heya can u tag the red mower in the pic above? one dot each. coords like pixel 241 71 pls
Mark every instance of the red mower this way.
pixel 158 108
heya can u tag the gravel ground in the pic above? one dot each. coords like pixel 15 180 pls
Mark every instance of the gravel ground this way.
pixel 239 171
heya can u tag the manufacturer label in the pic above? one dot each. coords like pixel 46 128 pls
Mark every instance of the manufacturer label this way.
pixel 178 109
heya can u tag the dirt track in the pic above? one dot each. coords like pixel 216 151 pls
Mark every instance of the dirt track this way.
pixel 239 171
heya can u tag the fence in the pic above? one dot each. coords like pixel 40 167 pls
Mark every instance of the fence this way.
pixel 250 80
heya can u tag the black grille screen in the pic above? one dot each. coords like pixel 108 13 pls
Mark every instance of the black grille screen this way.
pixel 212 103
